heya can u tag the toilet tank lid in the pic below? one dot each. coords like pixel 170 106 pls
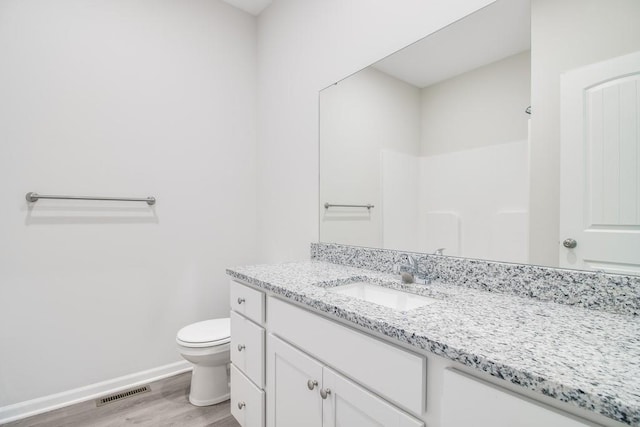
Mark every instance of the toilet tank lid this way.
pixel 206 331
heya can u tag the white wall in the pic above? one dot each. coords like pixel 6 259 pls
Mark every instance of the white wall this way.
pixel 565 34
pixel 303 46
pixel 129 98
pixel 479 108
pixel 361 116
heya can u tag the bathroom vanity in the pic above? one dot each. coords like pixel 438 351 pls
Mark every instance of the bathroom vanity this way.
pixel 304 354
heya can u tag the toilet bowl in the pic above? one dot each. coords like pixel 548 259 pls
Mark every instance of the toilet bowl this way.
pixel 206 345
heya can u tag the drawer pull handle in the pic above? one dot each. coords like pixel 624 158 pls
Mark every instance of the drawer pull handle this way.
pixel 241 405
pixel 325 392
pixel 241 347
pixel 312 384
pixel 240 300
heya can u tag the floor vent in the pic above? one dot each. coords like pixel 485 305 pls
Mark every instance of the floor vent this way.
pixel 122 395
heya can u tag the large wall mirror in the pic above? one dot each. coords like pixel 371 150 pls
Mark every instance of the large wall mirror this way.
pixel 468 142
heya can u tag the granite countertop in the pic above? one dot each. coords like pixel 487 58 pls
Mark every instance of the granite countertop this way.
pixel 587 358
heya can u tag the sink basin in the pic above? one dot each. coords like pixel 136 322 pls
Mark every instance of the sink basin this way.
pixel 388 297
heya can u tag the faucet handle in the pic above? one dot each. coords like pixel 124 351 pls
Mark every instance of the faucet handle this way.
pixel 413 263
pixel 424 269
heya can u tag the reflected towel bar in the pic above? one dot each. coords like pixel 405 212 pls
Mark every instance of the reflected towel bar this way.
pixel 329 205
pixel 34 197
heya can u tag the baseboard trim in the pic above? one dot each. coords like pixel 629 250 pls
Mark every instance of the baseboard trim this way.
pixel 37 406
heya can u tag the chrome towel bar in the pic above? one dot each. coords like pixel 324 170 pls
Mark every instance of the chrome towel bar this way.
pixel 34 197
pixel 329 205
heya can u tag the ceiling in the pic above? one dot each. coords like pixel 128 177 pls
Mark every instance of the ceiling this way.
pixel 253 7
pixel 495 32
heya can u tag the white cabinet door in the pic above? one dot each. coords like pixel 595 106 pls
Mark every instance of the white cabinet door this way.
pixel 293 383
pixel 470 402
pixel 348 404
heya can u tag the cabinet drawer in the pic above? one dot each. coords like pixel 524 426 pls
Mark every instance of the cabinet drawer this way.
pixel 396 374
pixel 469 401
pixel 247 348
pixel 247 400
pixel 247 301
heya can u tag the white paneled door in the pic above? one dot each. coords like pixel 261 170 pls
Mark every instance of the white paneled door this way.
pixel 600 166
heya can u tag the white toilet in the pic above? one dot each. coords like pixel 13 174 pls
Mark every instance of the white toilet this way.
pixel 206 345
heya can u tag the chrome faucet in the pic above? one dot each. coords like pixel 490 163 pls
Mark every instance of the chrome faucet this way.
pixel 411 272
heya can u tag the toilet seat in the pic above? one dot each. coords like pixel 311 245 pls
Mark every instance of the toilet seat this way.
pixel 208 333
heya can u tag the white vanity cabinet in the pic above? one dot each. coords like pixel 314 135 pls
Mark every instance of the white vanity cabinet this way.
pixel 304 392
pixel 292 366
pixel 247 355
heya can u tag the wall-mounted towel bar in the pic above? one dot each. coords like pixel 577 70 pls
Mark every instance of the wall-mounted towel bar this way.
pixel 34 197
pixel 330 205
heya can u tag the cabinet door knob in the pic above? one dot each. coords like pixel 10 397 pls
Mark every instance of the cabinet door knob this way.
pixel 569 243
pixel 240 347
pixel 312 384
pixel 241 405
pixel 240 300
pixel 325 392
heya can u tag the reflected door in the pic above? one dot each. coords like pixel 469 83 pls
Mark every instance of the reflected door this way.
pixel 600 161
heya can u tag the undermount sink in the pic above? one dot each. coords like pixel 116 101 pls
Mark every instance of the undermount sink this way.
pixel 388 297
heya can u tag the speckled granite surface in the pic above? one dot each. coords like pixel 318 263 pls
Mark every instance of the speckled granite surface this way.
pixel 588 358
pixel 597 291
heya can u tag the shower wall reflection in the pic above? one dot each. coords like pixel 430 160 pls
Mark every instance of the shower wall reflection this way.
pixel 410 151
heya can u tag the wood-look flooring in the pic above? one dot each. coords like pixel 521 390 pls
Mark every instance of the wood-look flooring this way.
pixel 166 404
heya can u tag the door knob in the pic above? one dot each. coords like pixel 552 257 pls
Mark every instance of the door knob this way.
pixel 241 347
pixel 241 405
pixel 240 300
pixel 569 243
pixel 325 392
pixel 311 384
